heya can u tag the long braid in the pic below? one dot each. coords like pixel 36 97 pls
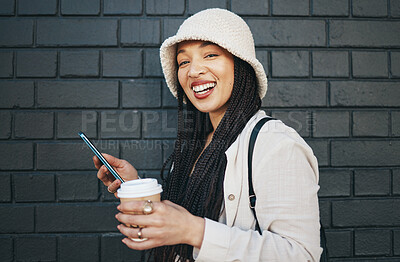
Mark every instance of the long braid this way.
pixel 201 192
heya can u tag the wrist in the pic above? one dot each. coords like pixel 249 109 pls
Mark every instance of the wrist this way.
pixel 196 232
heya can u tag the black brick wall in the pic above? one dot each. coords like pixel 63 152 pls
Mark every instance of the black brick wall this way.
pixel 93 65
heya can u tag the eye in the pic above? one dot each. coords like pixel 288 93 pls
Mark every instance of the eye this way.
pixel 183 63
pixel 211 55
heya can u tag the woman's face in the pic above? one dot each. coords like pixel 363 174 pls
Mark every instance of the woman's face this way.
pixel 206 74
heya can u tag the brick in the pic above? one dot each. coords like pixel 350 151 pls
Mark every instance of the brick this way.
pixel 290 64
pixel 16 33
pixel 372 242
pixel 32 248
pixel 143 154
pixel 16 94
pixel 105 196
pixel 325 213
pixel 140 32
pixel 170 26
pixel 170 7
pixel 6 249
pixel 369 8
pixel 160 124
pixel 395 64
pixel 365 153
pixel 334 183
pixel 350 213
pixel 115 251
pixel 80 248
pixel 70 123
pixel 288 32
pixel 37 7
pixel 370 64
pixel 16 156
pixel 396 123
pixel 36 64
pixel 339 243
pixel 263 57
pixel 372 182
pixel 77 94
pixel 364 33
pixel 122 7
pixel 168 148
pixel 6 64
pixel 376 94
pixel 152 65
pixel 168 100
pixel 77 7
pixel 395 8
pixel 321 151
pixel 5 188
pixel 51 156
pixel 330 64
pixel 122 63
pixel 331 124
pixel 396 244
pixel 295 94
pixel 252 7
pixel 330 8
pixel 298 120
pixel 77 32
pixel 7 7
pixel 196 6
pixel 5 127
pixel 77 186
pixel 396 182
pixel 152 174
pixel 141 94
pixel 33 187
pixel 16 219
pixel 370 123
pixel 290 7
pixel 120 124
pixel 79 63
pixel 34 125
pixel 76 218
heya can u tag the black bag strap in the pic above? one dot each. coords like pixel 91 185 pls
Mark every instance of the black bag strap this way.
pixel 252 195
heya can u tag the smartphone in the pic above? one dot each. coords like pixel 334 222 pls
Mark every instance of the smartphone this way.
pixel 100 156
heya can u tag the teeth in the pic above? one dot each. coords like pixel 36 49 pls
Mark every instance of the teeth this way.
pixel 201 89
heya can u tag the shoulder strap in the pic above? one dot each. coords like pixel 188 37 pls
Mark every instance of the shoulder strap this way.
pixel 253 137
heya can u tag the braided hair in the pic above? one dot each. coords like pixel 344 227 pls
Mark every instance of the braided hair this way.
pixel 201 192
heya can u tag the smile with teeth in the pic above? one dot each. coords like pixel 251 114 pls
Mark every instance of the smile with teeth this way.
pixel 202 89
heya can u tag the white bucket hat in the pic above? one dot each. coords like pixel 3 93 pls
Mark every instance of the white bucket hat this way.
pixel 220 27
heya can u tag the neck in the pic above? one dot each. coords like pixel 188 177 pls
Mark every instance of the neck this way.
pixel 216 117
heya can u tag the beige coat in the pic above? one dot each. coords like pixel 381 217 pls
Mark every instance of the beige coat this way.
pixel 285 178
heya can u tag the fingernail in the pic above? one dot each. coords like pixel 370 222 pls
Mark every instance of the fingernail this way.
pixel 119 207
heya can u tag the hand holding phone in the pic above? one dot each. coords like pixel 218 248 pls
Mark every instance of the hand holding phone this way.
pixel 100 156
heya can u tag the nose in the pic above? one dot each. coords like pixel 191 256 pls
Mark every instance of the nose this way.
pixel 196 69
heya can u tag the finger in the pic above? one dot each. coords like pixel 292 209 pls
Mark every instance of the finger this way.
pixel 104 176
pixel 113 187
pixel 97 162
pixel 137 206
pixel 115 162
pixel 132 232
pixel 147 244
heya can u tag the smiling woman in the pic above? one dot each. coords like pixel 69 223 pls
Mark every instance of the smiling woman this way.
pixel 211 68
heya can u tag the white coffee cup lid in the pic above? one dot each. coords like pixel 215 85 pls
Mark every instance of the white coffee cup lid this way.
pixel 139 188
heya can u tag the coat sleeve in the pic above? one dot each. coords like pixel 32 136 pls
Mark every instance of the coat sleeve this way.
pixel 285 178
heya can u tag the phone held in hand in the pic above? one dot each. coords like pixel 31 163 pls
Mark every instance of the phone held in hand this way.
pixel 100 156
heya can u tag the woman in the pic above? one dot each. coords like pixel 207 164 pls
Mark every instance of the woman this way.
pixel 210 66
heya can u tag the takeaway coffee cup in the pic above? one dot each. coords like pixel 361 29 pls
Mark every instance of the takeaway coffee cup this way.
pixel 139 190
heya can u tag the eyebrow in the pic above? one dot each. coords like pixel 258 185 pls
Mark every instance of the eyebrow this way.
pixel 204 44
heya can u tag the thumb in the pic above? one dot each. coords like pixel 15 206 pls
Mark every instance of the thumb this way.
pixel 115 162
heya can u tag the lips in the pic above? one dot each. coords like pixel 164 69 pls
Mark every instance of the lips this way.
pixel 203 89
